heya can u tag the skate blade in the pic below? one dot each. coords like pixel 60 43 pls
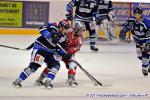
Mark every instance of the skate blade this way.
pixel 16 86
pixel 104 84
pixel 72 85
pixel 38 83
pixel 107 85
pixel 48 87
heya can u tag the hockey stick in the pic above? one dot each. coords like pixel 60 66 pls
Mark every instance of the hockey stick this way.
pixel 28 48
pixel 93 79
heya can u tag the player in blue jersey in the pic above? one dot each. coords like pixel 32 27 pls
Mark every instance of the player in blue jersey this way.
pixel 84 13
pixel 140 29
pixel 46 50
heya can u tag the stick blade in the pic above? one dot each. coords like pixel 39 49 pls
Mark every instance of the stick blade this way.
pixel 104 84
pixel 107 85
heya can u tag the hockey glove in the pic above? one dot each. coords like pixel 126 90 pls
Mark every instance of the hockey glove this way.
pixel 146 47
pixel 69 17
pixel 67 56
pixel 99 19
pixel 55 38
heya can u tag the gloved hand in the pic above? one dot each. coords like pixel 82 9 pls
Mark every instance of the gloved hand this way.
pixel 98 19
pixel 69 17
pixel 146 47
pixel 67 56
pixel 55 38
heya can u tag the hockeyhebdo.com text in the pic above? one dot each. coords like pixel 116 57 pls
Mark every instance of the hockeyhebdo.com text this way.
pixel 117 95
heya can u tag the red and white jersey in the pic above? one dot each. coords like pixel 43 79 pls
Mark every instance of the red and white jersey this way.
pixel 74 43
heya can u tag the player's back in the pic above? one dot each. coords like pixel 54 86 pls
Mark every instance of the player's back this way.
pixel 85 9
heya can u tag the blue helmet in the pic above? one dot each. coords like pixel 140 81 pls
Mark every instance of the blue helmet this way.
pixel 138 10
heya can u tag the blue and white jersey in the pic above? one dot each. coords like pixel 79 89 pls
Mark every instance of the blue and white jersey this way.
pixel 46 41
pixel 104 6
pixel 85 9
pixel 140 30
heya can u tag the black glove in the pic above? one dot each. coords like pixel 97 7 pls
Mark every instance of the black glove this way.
pixel 67 56
pixel 146 47
pixel 69 17
pixel 55 38
pixel 98 22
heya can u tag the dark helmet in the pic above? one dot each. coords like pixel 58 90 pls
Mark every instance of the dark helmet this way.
pixel 52 27
pixel 64 23
pixel 137 10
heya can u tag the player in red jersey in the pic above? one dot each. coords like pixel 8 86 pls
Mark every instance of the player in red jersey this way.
pixel 74 43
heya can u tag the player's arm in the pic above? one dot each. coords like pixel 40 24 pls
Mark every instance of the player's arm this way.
pixel 124 30
pixel 44 31
pixel 110 6
pixel 61 51
pixel 74 45
pixel 48 31
pixel 147 42
pixel 69 8
pixel 96 13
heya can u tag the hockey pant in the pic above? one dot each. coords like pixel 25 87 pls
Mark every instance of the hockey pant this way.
pixel 70 65
pixel 38 57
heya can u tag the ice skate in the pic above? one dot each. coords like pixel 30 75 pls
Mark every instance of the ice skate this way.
pixel 149 69
pixel 71 81
pixel 17 83
pixel 48 84
pixel 39 82
pixel 93 48
pixel 145 72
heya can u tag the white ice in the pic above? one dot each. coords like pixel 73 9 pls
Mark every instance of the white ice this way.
pixel 113 64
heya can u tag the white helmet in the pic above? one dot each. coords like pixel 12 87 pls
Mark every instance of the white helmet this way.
pixel 79 27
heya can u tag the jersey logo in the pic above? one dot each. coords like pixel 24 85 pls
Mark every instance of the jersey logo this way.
pixel 62 39
pixel 39 59
pixel 141 28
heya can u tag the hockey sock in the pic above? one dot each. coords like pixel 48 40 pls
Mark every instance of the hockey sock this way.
pixel 43 74
pixel 25 74
pixel 71 73
pixel 52 72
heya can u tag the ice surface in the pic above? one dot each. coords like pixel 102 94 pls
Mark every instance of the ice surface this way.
pixel 114 64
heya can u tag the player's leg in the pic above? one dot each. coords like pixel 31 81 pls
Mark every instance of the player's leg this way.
pixel 149 67
pixel 144 57
pixel 90 26
pixel 145 63
pixel 43 75
pixel 139 52
pixel 71 66
pixel 37 59
pixel 54 66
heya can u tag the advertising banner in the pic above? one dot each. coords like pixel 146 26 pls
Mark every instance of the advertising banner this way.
pixel 10 14
pixel 144 6
pixel 122 11
pixel 35 14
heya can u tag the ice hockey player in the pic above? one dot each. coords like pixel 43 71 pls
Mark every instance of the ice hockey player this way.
pixel 74 43
pixel 140 29
pixel 85 10
pixel 105 18
pixel 46 50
